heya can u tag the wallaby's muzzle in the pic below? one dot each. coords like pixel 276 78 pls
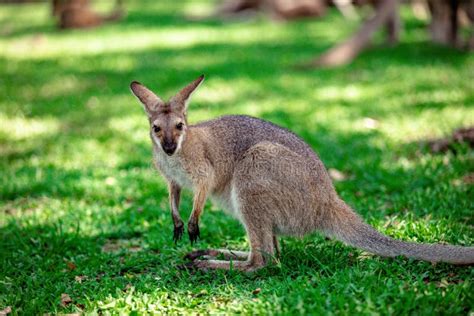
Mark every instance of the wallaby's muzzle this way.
pixel 169 147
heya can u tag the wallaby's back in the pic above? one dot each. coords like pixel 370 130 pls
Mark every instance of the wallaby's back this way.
pixel 233 135
pixel 237 133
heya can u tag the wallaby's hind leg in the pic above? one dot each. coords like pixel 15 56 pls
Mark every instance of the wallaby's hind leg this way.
pixel 256 205
pixel 261 250
pixel 261 240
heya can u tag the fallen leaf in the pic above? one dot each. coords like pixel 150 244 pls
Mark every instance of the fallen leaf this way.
pixel 111 246
pixel 127 287
pixel 70 265
pixel 6 311
pixel 65 300
pixel 468 179
pixel 442 284
pixel 135 248
pixel 80 278
pixel 81 306
pixel 256 291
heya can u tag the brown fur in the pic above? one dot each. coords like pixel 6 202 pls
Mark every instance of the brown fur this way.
pixel 267 178
pixel 78 14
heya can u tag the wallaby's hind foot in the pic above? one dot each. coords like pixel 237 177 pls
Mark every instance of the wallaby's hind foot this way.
pixel 206 265
pixel 262 243
pixel 227 254
pixel 239 260
pixel 215 253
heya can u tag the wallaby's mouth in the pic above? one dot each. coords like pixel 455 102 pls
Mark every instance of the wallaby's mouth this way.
pixel 169 148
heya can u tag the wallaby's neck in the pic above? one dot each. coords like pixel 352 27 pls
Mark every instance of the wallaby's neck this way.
pixel 192 139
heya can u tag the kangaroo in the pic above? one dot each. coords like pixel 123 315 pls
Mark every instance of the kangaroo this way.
pixel 266 177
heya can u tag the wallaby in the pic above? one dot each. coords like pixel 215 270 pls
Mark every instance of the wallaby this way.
pixel 267 178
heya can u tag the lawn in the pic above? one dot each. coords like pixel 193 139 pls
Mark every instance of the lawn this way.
pixel 84 214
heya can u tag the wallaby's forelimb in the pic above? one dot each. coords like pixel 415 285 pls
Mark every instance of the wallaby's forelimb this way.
pixel 174 197
pixel 200 196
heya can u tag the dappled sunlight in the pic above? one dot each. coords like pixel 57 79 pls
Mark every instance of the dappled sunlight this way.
pixel 218 91
pixel 435 98
pixel 338 93
pixel 84 212
pixel 60 86
pixel 404 129
pixel 183 35
pixel 20 128
pixel 135 128
pixel 137 40
pixel 228 299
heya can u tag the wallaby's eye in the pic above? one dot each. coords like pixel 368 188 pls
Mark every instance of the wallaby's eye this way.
pixel 179 126
pixel 156 129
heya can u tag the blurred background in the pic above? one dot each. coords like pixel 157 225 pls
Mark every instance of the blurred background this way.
pixel 382 90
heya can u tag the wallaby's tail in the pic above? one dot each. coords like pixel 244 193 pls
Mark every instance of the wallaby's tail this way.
pixel 349 228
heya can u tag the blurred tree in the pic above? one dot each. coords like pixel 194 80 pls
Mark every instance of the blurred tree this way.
pixel 279 9
pixel 386 13
pixel 444 28
pixel 79 14
pixel 446 16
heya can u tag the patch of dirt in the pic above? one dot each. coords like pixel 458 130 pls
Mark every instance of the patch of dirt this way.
pixel 463 135
pixel 116 245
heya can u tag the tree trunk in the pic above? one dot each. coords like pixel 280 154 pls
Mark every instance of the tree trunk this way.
pixel 393 27
pixel 280 9
pixel 293 9
pixel 444 24
pixel 79 14
pixel 56 7
pixel 346 51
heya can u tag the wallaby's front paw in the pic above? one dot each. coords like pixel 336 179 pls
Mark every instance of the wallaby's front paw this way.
pixel 178 232
pixel 193 232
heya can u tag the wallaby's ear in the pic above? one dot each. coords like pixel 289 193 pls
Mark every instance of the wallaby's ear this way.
pixel 150 101
pixel 181 99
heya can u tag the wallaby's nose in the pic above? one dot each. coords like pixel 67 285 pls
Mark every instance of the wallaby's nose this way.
pixel 169 148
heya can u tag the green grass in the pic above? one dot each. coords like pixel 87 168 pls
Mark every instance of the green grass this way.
pixel 82 211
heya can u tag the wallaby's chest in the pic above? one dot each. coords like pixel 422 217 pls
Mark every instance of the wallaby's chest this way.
pixel 173 169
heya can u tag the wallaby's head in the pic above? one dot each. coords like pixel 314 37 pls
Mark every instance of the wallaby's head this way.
pixel 168 123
